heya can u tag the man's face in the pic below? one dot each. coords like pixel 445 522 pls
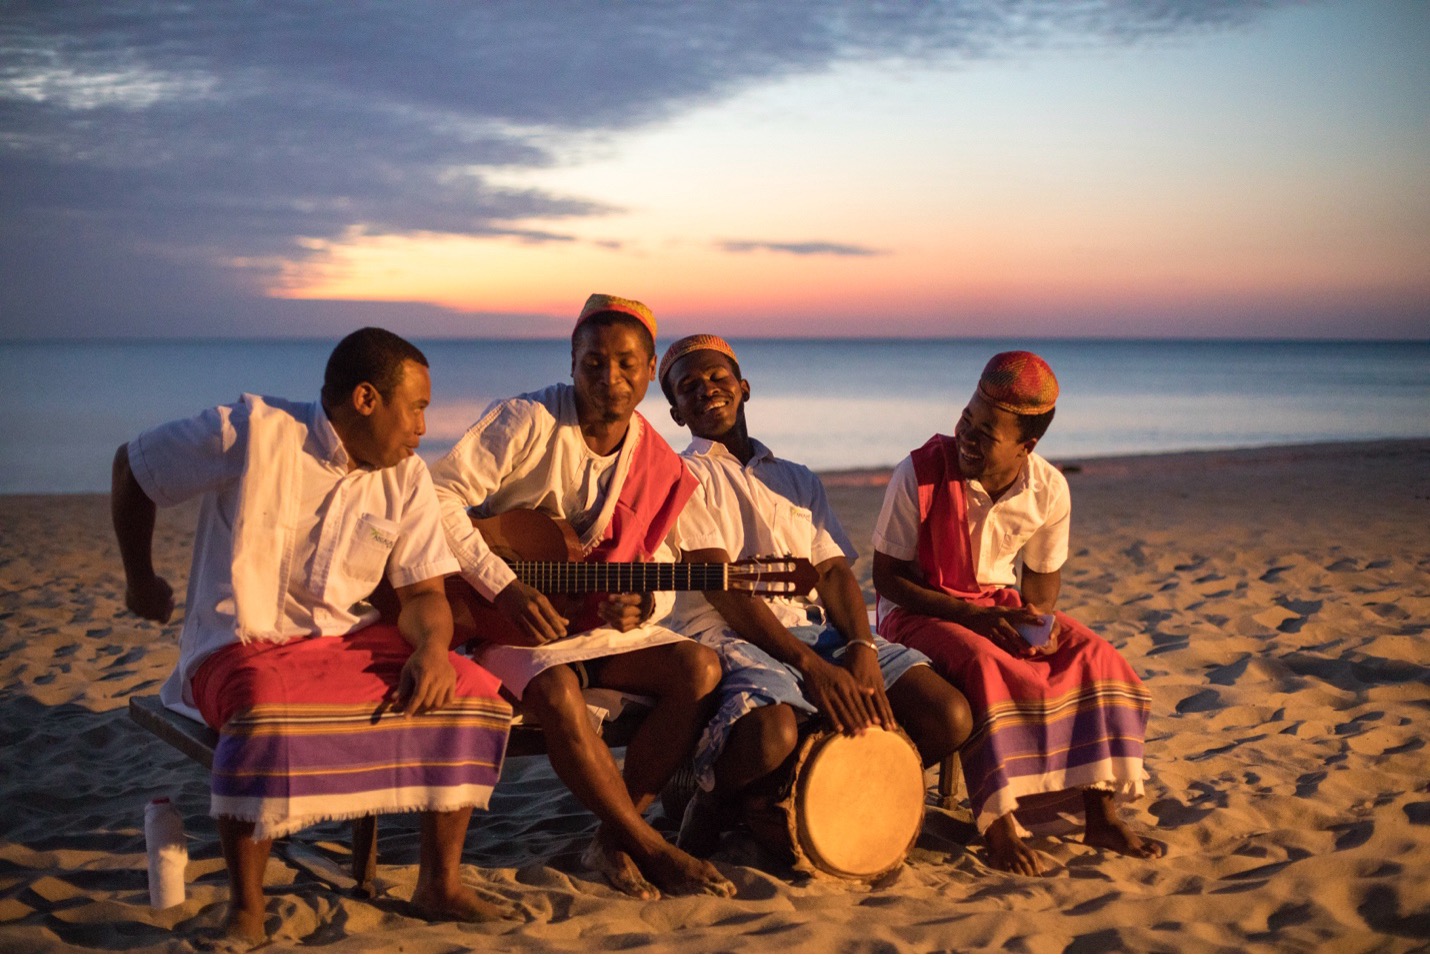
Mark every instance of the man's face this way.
pixel 988 443
pixel 396 425
pixel 708 395
pixel 611 370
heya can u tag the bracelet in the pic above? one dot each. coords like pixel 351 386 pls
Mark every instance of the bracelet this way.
pixel 864 642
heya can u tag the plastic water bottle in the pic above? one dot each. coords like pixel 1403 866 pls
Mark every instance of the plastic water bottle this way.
pixel 168 853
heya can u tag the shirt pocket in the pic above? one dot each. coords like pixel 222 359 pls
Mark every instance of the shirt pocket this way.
pixel 372 543
pixel 1015 535
pixel 792 531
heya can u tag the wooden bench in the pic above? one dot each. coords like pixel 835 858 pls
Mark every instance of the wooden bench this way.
pixel 198 742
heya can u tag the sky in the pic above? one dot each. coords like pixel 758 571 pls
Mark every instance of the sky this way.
pixel 1079 168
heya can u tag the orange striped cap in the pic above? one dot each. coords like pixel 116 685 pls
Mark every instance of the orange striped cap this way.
pixel 605 303
pixel 1019 382
pixel 690 344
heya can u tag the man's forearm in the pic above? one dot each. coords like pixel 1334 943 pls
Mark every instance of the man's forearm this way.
pixel 843 600
pixel 1040 590
pixel 895 580
pixel 133 514
pixel 425 620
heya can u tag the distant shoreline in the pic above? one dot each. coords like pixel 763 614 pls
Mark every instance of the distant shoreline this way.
pixel 1144 464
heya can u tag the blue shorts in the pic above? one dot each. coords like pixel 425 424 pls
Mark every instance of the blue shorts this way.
pixel 753 678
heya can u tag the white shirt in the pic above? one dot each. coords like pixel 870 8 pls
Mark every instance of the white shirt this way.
pixel 1031 520
pixel 528 452
pixel 768 506
pixel 352 526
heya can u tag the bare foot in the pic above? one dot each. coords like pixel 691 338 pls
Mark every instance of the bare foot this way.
pixel 681 874
pixel 457 904
pixel 1106 830
pixel 705 819
pixel 1007 852
pixel 618 867
pixel 243 930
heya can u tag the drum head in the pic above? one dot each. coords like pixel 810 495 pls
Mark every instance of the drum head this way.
pixel 860 804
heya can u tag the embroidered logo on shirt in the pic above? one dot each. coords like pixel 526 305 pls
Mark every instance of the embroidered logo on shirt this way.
pixel 381 538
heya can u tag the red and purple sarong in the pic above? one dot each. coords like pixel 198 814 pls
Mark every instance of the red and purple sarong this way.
pixel 1074 719
pixel 307 733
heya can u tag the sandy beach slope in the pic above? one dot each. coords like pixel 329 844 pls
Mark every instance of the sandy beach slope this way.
pixel 1276 601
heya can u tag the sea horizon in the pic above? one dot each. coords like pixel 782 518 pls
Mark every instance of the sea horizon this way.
pixel 832 403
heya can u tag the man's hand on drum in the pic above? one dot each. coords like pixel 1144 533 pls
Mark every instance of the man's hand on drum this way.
pixel 863 664
pixel 626 611
pixel 850 704
pixel 531 612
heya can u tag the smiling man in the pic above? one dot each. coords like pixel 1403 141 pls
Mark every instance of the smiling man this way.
pixel 322 712
pixel 787 660
pixel 1054 705
pixel 581 453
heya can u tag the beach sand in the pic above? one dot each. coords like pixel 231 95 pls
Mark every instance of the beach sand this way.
pixel 1277 602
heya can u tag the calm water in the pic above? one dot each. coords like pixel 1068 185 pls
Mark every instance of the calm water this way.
pixel 830 404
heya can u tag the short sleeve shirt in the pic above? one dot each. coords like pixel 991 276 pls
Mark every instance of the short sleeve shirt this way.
pixel 354 526
pixel 1031 520
pixel 767 507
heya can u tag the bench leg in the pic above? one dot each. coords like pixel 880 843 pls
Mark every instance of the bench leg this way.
pixel 950 777
pixel 364 856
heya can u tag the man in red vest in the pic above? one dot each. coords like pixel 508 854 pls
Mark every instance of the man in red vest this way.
pixel 1054 705
pixel 581 453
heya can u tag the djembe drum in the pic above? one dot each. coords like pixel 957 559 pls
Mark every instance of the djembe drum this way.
pixel 852 806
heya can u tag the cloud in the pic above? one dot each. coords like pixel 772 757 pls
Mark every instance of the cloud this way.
pixel 147 147
pixel 809 248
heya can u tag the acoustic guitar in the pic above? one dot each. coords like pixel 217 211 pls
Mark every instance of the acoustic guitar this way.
pixel 545 552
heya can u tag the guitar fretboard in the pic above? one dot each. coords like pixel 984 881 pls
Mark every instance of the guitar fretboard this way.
pixel 566 577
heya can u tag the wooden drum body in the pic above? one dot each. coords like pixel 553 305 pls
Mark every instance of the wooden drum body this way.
pixel 852 808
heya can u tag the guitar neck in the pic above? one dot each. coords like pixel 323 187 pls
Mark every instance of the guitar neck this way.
pixel 566 577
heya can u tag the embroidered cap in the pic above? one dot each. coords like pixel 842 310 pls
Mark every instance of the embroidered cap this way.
pixel 1019 382
pixel 605 303
pixel 684 347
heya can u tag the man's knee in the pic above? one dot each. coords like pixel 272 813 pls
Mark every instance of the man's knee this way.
pixel 762 740
pixel 936 715
pixel 696 669
pixel 553 692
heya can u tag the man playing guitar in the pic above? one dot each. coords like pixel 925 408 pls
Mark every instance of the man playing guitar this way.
pixel 582 453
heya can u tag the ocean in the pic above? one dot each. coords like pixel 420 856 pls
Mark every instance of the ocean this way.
pixel 832 404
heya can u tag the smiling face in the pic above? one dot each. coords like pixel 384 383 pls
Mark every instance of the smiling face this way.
pixel 611 368
pixel 709 396
pixel 391 427
pixel 990 449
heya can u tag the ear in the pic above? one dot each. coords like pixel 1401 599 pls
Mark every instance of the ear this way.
pixel 675 415
pixel 744 392
pixel 365 398
pixel 1029 444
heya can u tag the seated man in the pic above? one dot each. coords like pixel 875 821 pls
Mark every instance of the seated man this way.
pixel 305 506
pixel 1068 714
pixel 785 659
pixel 583 454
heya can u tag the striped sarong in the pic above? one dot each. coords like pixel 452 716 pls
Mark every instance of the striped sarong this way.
pixel 307 733
pixel 1075 719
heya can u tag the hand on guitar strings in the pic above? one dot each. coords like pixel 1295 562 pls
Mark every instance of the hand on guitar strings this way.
pixel 531 612
pixel 626 611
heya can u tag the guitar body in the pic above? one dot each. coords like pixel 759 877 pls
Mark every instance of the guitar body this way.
pixel 516 535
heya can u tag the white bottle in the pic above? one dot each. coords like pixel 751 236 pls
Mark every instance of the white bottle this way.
pixel 168 853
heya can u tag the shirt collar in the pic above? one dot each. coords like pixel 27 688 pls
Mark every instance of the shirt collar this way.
pixel 713 449
pixel 330 446
pixel 1026 482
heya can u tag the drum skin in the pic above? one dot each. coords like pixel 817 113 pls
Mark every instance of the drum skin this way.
pixel 853 807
